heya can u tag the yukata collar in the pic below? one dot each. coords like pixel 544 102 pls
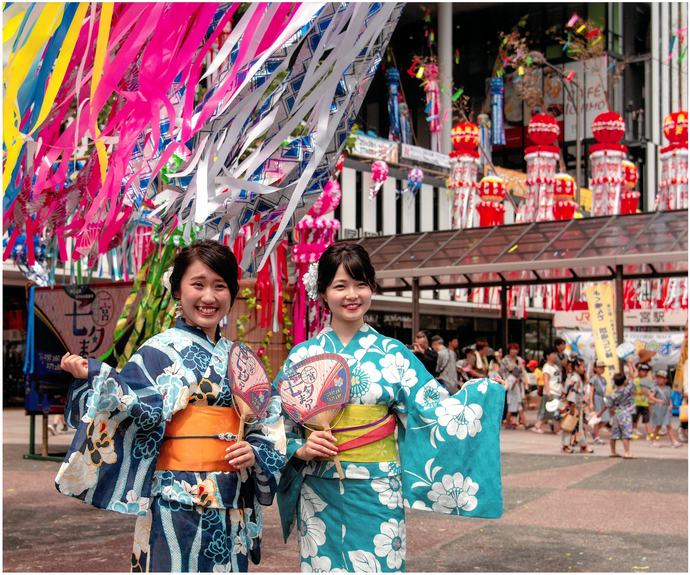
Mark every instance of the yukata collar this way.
pixel 180 323
pixel 330 332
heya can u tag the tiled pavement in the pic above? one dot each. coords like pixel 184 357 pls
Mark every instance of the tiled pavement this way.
pixel 562 513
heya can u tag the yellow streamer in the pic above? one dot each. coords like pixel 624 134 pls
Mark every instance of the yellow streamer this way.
pixel 11 27
pixel 61 64
pixel 98 63
pixel 14 74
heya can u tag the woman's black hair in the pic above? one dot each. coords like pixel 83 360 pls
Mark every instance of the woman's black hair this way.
pixel 354 259
pixel 211 253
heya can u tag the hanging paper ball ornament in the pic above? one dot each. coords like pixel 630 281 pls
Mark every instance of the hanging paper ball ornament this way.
pixel 608 128
pixel 379 174
pixel 492 192
pixel 563 193
pixel 630 173
pixel 465 138
pixel 630 200
pixel 543 129
pixel 414 180
pixel 676 127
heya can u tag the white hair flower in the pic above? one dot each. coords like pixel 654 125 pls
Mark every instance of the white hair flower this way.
pixel 165 279
pixel 310 281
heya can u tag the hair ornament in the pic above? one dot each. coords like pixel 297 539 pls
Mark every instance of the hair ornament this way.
pixel 309 280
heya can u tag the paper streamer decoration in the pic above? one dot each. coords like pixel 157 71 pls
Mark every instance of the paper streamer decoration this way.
pixel 498 135
pixel 250 384
pixel 277 105
pixel 314 391
pixel 393 81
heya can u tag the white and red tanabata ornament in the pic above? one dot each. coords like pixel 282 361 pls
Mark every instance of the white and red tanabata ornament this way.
pixel 542 160
pixel 464 165
pixel 491 191
pixel 564 197
pixel 673 187
pixel 630 198
pixel 606 159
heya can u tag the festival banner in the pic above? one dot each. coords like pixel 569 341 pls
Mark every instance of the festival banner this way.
pixel 80 319
pixel 375 149
pixel 602 314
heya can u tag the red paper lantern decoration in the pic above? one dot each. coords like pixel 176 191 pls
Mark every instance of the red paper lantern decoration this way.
pixel 676 127
pixel 543 129
pixel 608 128
pixel 630 173
pixel 630 199
pixel 563 193
pixel 465 138
pixel 492 191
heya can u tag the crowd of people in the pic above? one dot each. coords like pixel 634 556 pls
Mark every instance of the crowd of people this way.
pixel 573 398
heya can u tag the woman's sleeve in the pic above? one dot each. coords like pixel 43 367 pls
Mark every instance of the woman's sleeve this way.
pixel 120 421
pixel 448 445
pixel 267 438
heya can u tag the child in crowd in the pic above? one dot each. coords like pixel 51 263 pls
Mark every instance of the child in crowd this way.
pixel 620 402
pixel 598 384
pixel 660 396
pixel 575 394
pixel 644 384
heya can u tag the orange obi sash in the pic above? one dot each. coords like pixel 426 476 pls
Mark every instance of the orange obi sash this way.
pixel 196 439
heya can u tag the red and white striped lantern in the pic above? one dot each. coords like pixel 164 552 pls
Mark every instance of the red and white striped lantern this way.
pixel 542 160
pixel 464 164
pixel 606 158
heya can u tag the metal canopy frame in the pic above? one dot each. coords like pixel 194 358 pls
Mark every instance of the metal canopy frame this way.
pixel 646 245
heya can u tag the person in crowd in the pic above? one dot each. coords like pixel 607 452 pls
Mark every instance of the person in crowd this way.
pixel 514 374
pixel 415 445
pixel 560 345
pixel 445 367
pixel 598 392
pixel 424 352
pixel 159 438
pixel 644 384
pixel 553 388
pixel 575 391
pixel 477 360
pixel 620 402
pixel 660 396
pixel 453 349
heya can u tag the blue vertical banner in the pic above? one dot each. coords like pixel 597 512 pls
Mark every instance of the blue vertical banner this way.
pixel 498 133
pixel 393 81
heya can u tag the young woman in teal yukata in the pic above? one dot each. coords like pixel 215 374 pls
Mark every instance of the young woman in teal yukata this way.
pixel 158 439
pixel 428 450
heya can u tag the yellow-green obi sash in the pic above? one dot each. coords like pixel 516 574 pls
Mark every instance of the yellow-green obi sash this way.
pixel 365 434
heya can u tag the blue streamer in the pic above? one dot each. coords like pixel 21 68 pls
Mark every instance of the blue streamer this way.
pixel 498 134
pixel 393 79
pixel 29 350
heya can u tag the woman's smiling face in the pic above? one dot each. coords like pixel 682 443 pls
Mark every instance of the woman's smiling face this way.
pixel 204 296
pixel 348 299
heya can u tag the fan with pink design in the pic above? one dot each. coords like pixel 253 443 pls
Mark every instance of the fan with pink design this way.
pixel 250 384
pixel 314 391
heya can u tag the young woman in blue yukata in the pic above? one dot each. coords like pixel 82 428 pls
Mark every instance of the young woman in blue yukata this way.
pixel 415 446
pixel 158 439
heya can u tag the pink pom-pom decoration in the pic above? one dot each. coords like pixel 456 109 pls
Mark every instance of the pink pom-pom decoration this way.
pixel 379 174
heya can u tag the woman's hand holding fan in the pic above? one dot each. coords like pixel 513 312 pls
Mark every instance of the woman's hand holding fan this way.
pixel 313 392
pixel 251 387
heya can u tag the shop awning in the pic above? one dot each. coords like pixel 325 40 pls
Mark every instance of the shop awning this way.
pixel 645 245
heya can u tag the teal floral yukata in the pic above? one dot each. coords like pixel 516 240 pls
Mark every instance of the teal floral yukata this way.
pixel 187 521
pixel 448 459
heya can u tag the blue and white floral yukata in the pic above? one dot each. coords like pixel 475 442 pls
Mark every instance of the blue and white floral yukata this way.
pixel 448 459
pixel 187 521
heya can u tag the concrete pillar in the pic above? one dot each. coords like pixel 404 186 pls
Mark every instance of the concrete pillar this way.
pixel 445 70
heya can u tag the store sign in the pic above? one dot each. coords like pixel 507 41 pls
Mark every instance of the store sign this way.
pixel 591 76
pixel 631 318
pixel 375 149
pixel 417 154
